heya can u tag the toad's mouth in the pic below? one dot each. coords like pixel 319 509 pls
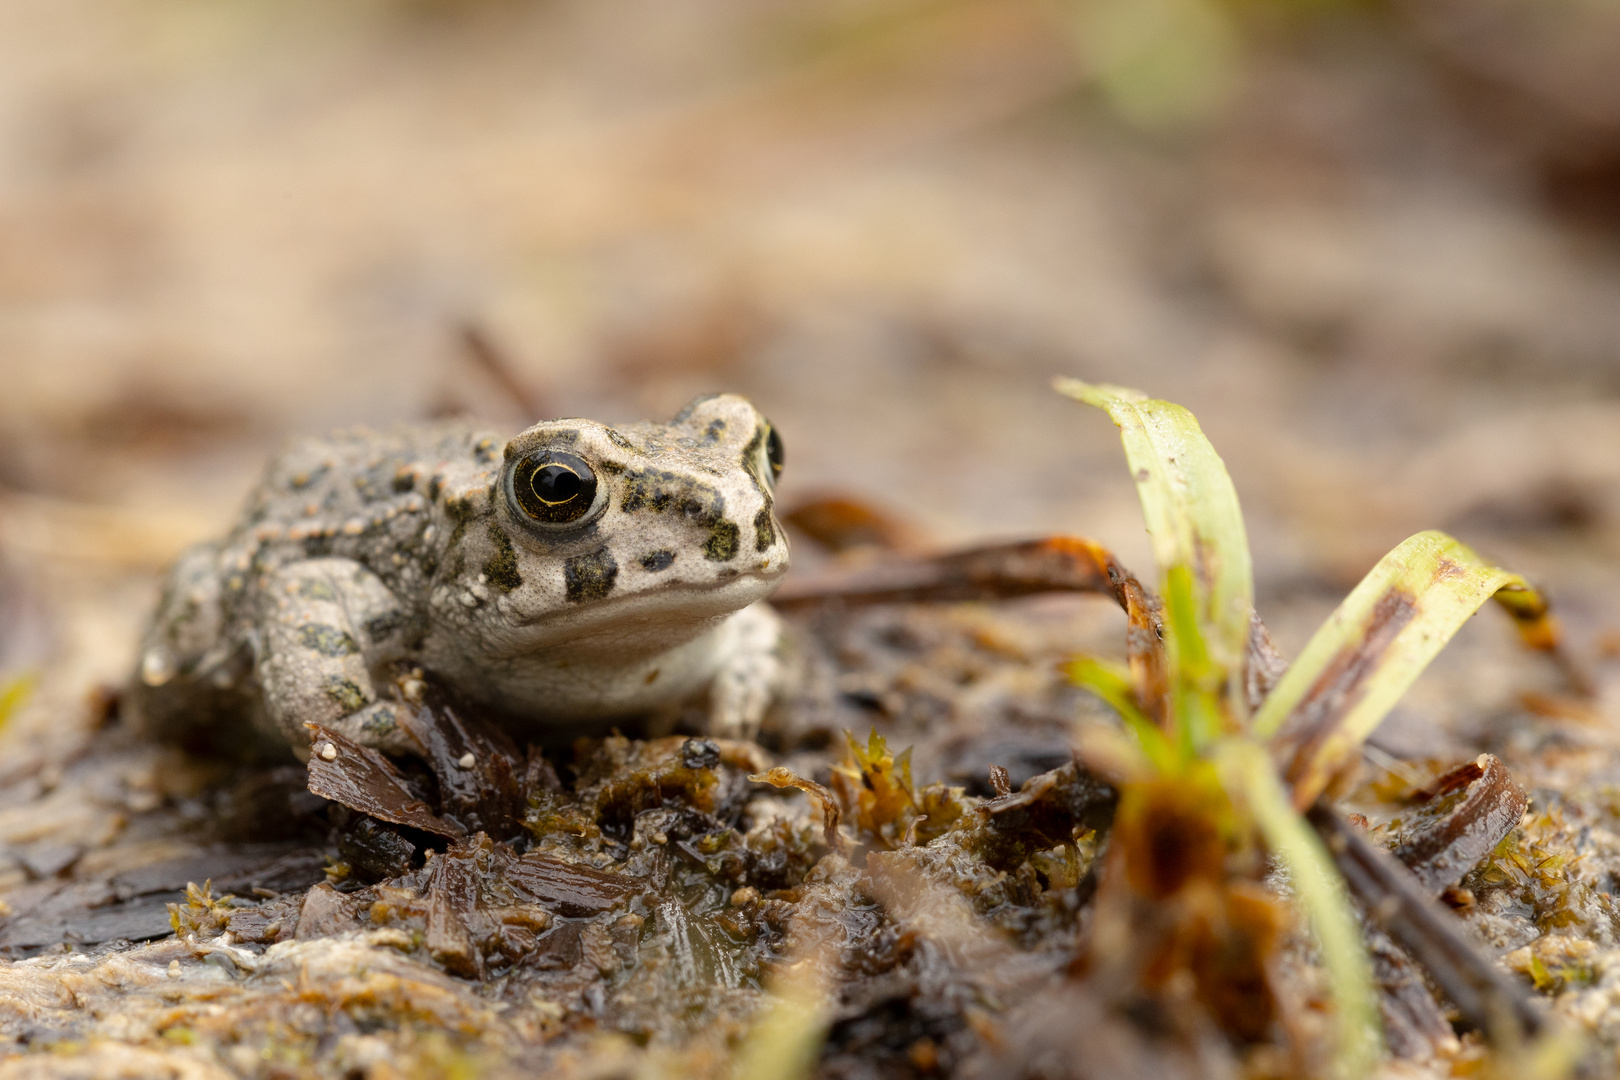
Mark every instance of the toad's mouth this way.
pixel 673 603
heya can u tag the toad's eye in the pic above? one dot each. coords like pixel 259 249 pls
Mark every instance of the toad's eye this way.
pixel 553 488
pixel 773 453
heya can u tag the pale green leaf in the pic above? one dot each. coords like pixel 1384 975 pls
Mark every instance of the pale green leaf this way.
pixel 1375 645
pixel 1191 510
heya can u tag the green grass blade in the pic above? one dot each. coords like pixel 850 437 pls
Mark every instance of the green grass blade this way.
pixel 1251 777
pixel 1112 683
pixel 1195 689
pixel 1374 646
pixel 1192 514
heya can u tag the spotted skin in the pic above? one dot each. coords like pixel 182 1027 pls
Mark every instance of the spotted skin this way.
pixel 365 550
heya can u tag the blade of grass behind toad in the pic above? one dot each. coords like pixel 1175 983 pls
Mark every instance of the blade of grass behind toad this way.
pixel 1360 662
pixel 1192 514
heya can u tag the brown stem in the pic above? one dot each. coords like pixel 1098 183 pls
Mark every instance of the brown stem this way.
pixel 1488 998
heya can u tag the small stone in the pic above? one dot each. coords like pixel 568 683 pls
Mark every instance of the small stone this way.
pixel 328 752
pixel 743 896
pixel 467 761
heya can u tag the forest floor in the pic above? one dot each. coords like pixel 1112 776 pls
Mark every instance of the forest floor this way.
pixel 1384 273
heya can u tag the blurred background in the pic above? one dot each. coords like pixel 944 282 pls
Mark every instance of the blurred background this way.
pixel 1375 246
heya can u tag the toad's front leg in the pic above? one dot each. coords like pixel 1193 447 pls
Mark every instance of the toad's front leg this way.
pixel 751 675
pixel 327 624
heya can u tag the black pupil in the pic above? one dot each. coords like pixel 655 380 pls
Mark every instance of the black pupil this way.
pixel 556 484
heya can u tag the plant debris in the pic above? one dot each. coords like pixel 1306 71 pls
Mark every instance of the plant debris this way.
pixel 362 779
pixel 1460 819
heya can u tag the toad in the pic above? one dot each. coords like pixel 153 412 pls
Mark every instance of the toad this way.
pixel 569 576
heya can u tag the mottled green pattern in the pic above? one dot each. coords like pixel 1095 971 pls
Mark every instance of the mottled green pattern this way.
pixel 590 577
pixel 327 640
pixel 501 569
pixel 346 693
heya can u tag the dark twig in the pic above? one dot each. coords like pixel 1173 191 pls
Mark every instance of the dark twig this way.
pixel 494 362
pixel 1000 571
pixel 1055 564
pixel 1488 999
